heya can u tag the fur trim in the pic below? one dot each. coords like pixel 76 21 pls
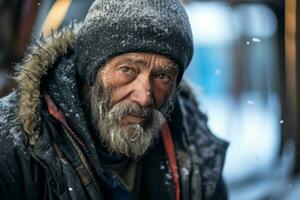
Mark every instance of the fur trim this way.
pixel 36 63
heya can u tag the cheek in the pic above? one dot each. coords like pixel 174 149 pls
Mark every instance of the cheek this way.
pixel 162 93
pixel 110 78
pixel 115 84
pixel 117 94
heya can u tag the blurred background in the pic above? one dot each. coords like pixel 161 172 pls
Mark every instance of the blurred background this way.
pixel 244 73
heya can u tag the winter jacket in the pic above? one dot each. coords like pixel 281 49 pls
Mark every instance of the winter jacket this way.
pixel 49 151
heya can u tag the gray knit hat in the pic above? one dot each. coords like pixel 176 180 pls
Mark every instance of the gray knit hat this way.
pixel 114 27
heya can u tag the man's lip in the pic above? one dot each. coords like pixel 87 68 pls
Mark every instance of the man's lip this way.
pixel 132 119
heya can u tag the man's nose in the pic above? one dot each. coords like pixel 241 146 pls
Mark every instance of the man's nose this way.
pixel 142 93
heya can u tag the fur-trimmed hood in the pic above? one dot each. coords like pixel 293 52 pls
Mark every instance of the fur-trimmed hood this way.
pixel 39 59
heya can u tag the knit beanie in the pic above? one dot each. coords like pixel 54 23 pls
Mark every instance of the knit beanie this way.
pixel 115 27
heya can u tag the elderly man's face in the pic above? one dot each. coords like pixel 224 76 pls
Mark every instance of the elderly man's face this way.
pixel 142 78
pixel 137 86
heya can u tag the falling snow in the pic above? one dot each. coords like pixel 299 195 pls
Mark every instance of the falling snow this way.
pixel 184 171
pixel 250 102
pixel 256 40
pixel 218 72
pixel 168 176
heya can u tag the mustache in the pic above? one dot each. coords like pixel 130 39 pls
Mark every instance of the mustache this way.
pixel 121 109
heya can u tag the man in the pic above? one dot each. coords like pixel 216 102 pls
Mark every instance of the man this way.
pixel 99 112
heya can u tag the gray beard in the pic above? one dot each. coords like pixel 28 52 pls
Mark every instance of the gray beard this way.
pixel 131 140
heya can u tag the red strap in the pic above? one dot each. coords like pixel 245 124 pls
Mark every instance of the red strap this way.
pixel 53 110
pixel 56 113
pixel 170 150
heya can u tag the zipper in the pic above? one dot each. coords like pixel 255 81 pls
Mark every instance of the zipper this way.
pixel 57 114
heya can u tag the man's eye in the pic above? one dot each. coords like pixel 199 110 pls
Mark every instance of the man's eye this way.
pixel 163 77
pixel 127 70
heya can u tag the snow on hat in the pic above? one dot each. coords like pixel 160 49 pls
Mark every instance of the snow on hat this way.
pixel 115 27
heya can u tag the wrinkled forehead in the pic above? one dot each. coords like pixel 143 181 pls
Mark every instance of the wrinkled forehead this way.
pixel 142 58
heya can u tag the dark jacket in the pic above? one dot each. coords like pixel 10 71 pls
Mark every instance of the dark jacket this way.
pixel 42 157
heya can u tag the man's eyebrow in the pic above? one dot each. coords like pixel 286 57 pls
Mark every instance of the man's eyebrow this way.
pixel 132 61
pixel 168 68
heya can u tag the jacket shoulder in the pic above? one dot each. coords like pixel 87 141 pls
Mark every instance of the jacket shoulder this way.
pixel 210 149
pixel 10 128
pixel 13 153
